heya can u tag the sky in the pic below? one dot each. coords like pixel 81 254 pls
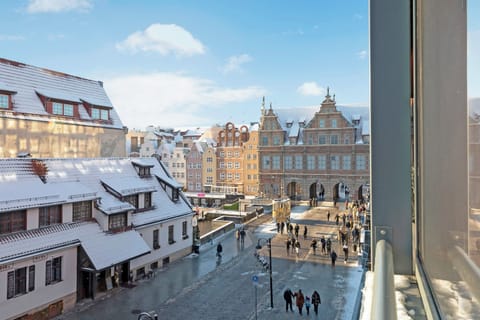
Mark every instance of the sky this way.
pixel 199 63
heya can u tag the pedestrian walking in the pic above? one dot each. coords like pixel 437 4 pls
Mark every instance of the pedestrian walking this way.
pixel 337 217
pixel 323 242
pixel 329 246
pixel 288 246
pixel 242 236
pixel 278 227
pixel 290 228
pixel 345 252
pixel 316 301
pixel 307 304
pixel 219 250
pixel 282 225
pixel 333 256
pixel 328 215
pixel 287 295
pixel 297 229
pixel 297 247
pixel 237 235
pixel 299 300
pixel 314 245
pixel 305 230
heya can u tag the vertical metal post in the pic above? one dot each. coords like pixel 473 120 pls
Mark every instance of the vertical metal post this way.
pixel 270 262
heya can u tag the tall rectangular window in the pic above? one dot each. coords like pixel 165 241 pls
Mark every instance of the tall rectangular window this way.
pixel 17 282
pixel 298 162
pixel 147 199
pixel 347 162
pixel 57 108
pixel 322 162
pixel 266 162
pixel 53 271
pixel 310 162
pixel 334 163
pixel 276 162
pixel 156 239
pixel 31 278
pixel 171 239
pixel 265 141
pixel 68 110
pixel 50 215
pixel 184 230
pixel 4 101
pixel 361 162
pixel 321 123
pixel 334 139
pixel 322 139
pixel 288 162
pixel 334 123
pixel 82 211
pixel 276 140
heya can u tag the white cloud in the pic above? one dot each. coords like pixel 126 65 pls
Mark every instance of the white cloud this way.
pixel 362 54
pixel 173 99
pixel 164 39
pixel 42 6
pixel 234 63
pixel 11 37
pixel 310 89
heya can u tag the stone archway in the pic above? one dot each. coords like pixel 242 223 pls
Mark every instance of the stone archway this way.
pixel 292 190
pixel 364 193
pixel 313 191
pixel 341 192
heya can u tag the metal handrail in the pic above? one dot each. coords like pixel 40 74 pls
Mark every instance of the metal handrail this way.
pixel 467 269
pixel 383 300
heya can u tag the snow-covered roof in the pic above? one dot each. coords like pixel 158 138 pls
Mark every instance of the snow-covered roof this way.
pixel 27 82
pixel 114 248
pixel 72 180
pixel 126 186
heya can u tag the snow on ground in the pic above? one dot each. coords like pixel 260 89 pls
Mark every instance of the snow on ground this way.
pixel 408 302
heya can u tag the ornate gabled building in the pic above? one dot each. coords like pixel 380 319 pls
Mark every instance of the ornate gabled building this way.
pixel 250 163
pixel 46 113
pixel 230 167
pixel 307 154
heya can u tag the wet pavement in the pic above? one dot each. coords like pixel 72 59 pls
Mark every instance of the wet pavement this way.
pixel 202 287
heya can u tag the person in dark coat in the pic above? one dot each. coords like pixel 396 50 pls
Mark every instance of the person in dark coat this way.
pixel 316 301
pixel 299 300
pixel 287 295
pixel 305 230
pixel 333 256
pixel 297 229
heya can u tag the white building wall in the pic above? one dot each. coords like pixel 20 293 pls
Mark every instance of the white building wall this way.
pixel 176 250
pixel 42 295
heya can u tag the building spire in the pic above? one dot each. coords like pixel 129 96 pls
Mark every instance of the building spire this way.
pixel 263 105
pixel 328 93
pixel 270 106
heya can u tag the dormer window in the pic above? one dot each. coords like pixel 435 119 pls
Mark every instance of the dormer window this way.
pixel 63 109
pixel 142 169
pixel 4 101
pixel 171 187
pixel 99 114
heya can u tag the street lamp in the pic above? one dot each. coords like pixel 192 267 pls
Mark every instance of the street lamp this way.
pixel 269 245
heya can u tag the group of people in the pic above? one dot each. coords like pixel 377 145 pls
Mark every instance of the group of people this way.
pixel 301 300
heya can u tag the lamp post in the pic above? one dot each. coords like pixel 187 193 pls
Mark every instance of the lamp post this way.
pixel 269 245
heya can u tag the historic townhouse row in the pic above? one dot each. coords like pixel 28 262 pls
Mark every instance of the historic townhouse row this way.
pixel 46 114
pixel 74 228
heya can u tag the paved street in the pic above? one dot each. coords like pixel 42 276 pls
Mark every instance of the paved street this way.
pixel 199 287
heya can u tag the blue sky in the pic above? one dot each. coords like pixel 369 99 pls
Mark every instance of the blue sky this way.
pixel 197 63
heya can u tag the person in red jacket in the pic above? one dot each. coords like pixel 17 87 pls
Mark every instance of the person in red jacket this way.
pixel 300 300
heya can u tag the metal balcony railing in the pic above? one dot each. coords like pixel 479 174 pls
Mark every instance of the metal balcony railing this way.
pixel 383 300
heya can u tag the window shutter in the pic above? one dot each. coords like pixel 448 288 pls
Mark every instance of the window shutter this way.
pixel 11 284
pixel 48 273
